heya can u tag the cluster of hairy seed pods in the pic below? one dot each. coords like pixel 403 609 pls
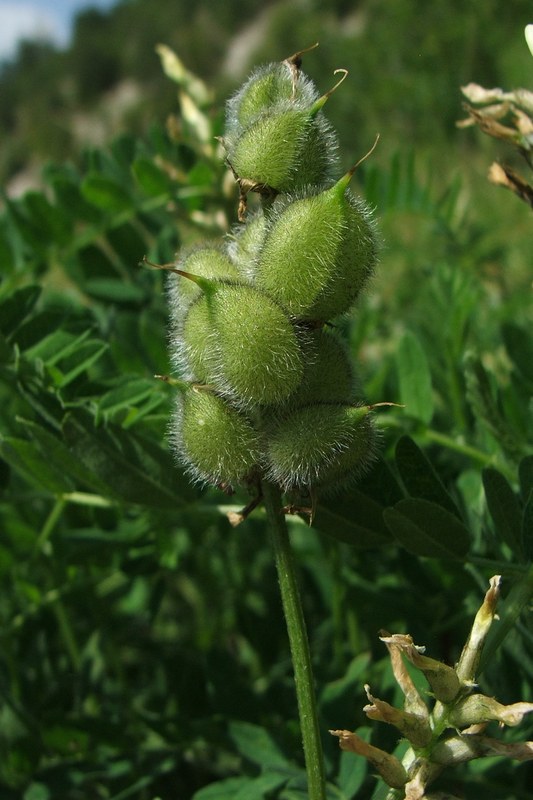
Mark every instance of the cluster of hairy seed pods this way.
pixel 267 388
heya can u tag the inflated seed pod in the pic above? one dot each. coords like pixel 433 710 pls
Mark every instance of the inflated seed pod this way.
pixel 241 341
pixel 193 351
pixel 285 148
pixel 209 261
pixel 328 375
pixel 214 441
pixel 318 252
pixel 265 88
pixel 320 444
pixel 245 243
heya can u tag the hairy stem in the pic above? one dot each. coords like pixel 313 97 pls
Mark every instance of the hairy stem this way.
pixel 299 645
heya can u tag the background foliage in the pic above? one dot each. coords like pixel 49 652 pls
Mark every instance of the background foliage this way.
pixel 143 648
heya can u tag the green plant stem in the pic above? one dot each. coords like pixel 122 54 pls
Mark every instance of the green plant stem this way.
pixel 455 393
pixel 458 447
pixel 67 634
pixel 49 525
pixel 430 435
pixel 299 645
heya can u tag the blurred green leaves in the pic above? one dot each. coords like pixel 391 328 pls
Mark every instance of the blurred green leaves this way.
pixel 92 507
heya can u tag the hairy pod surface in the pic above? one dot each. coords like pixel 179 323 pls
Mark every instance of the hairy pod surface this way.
pixel 214 441
pixel 192 351
pixel 267 87
pixel 244 343
pixel 328 376
pixel 318 253
pixel 244 244
pixel 285 149
pixel 320 444
pixel 207 261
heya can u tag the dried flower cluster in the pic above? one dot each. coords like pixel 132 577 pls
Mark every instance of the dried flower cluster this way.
pixel 507 116
pixel 452 732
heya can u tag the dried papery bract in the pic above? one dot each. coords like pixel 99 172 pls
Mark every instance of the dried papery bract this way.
pixel 507 116
pixel 448 728
pixel 389 767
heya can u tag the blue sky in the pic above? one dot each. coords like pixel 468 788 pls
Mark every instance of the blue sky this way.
pixel 51 19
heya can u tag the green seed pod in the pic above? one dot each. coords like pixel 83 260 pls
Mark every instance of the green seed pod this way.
pixel 320 444
pixel 318 253
pixel 243 342
pixel 284 149
pixel 264 89
pixel 215 442
pixel 193 349
pixel 328 375
pixel 245 243
pixel 209 261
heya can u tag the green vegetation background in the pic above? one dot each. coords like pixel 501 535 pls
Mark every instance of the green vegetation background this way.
pixel 143 651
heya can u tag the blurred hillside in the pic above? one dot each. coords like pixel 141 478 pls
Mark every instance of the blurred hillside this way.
pixel 407 61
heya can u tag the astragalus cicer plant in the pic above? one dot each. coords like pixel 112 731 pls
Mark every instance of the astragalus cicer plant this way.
pixel 267 396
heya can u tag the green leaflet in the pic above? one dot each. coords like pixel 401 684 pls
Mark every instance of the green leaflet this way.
pixel 34 465
pixel 419 477
pixel 353 518
pixel 504 509
pixel 414 379
pixel 132 469
pixel 152 180
pixel 105 193
pixel 15 307
pixel 426 529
